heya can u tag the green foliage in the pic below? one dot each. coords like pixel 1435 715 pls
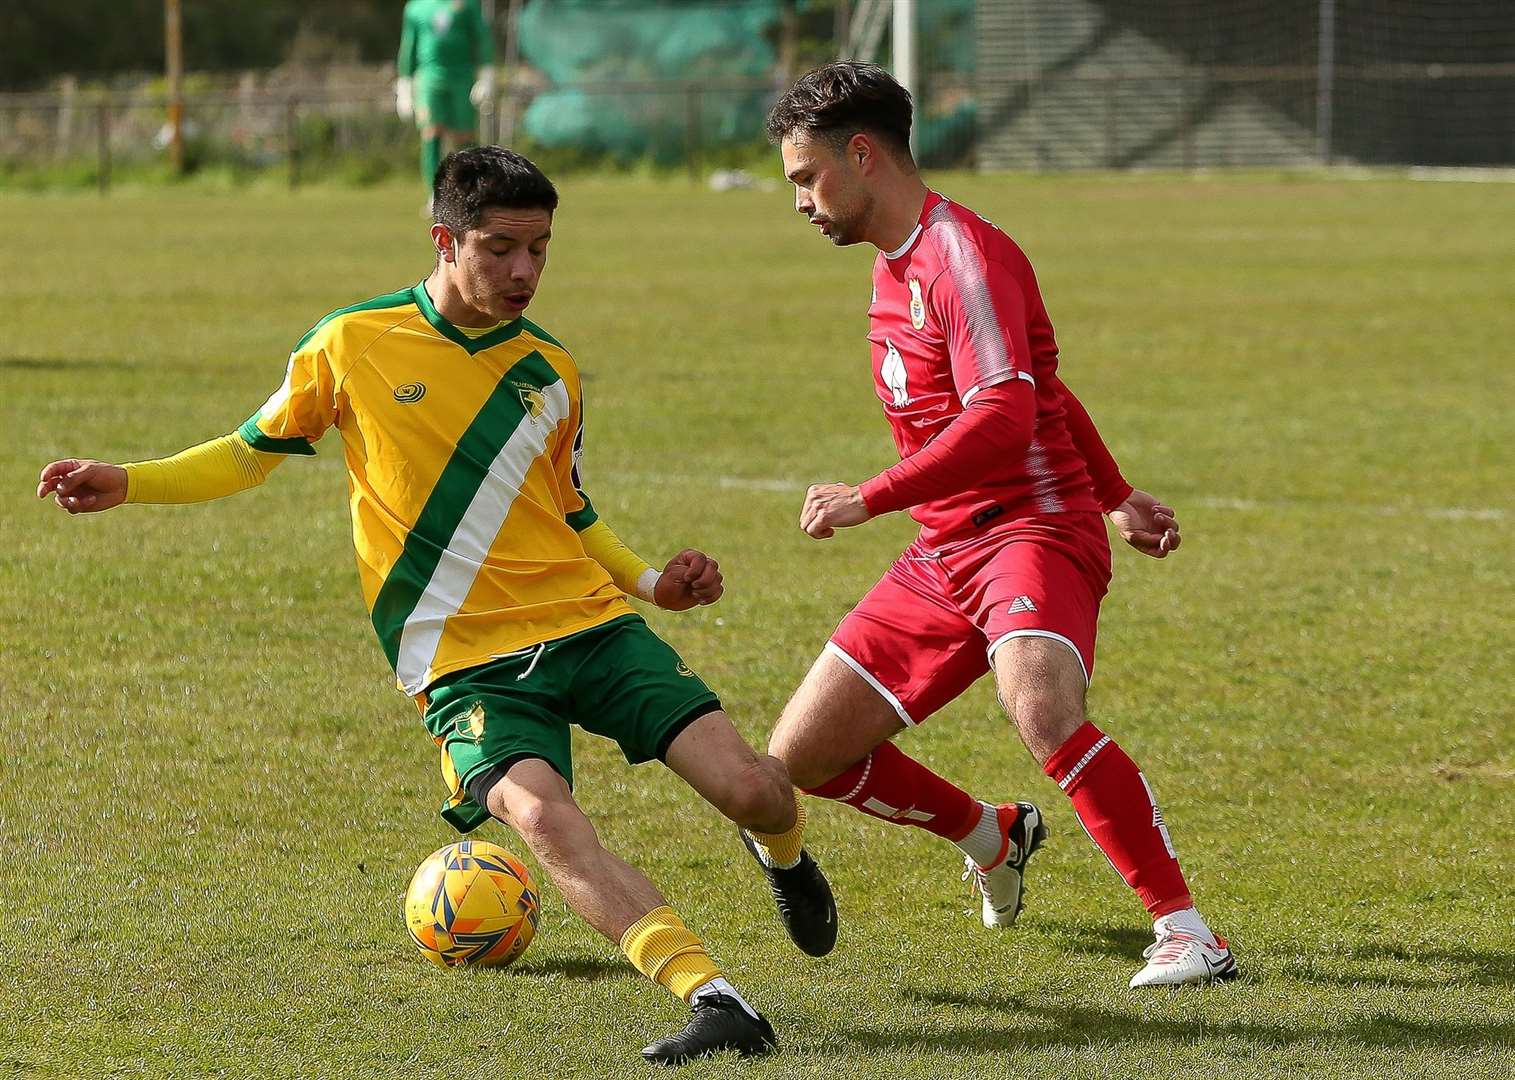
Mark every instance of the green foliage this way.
pixel 212 798
pixel 95 38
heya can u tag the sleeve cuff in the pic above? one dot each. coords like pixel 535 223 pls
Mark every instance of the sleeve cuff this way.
pixel 1114 497
pixel 877 496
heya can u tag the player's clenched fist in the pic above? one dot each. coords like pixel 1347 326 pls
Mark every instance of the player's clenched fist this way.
pixel 829 507
pixel 691 577
pixel 83 487
pixel 1147 525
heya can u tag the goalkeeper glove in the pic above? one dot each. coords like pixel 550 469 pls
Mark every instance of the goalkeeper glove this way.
pixel 483 88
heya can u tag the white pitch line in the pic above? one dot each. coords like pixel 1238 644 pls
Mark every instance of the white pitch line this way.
pixel 1204 502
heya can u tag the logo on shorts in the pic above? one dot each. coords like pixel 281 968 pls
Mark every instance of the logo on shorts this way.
pixel 409 393
pixel 917 305
pixel 683 669
pixel 471 723
pixel 1021 604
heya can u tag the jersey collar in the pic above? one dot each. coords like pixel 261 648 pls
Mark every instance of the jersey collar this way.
pixel 456 336
pixel 933 200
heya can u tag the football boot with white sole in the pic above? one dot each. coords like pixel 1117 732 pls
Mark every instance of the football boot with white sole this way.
pixel 1002 884
pixel 1180 958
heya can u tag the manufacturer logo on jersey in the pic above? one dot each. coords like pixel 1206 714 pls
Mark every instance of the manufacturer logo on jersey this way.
pixel 893 373
pixel 471 723
pixel 532 401
pixel 409 393
pixel 1020 604
pixel 683 669
pixel 917 305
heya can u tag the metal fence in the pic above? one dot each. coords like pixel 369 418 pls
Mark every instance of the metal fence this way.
pixel 352 131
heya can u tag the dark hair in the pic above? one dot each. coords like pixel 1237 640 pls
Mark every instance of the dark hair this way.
pixel 468 182
pixel 837 101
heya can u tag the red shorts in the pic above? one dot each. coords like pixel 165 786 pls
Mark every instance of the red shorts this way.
pixel 929 628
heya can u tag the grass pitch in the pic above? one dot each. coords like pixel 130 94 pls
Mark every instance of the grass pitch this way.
pixel 212 799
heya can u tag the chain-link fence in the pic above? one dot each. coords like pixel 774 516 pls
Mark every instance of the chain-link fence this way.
pixel 1000 84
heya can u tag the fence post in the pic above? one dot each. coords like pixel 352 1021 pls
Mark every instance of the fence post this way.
pixel 1112 88
pixel 1186 118
pixel 292 140
pixel 692 138
pixel 102 145
pixel 1325 80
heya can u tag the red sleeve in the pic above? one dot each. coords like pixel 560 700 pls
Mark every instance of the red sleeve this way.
pixel 981 309
pixel 1110 487
pixel 996 426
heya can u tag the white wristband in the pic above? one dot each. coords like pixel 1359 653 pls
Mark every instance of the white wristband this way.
pixel 647 584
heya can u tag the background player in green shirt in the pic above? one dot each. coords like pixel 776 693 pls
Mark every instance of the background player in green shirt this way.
pixel 445 71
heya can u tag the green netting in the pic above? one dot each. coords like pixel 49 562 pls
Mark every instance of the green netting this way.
pixel 640 78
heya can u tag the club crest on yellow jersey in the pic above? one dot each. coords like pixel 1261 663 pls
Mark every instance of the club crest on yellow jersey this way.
pixel 917 305
pixel 532 401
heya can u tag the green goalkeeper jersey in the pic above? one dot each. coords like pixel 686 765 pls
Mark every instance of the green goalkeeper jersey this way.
pixel 444 37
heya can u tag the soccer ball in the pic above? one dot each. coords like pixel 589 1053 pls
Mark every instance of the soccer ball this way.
pixel 471 904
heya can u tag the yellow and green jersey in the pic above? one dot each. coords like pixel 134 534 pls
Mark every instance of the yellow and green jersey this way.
pixel 462 463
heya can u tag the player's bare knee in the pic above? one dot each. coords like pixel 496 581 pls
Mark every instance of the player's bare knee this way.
pixel 759 796
pixel 1044 720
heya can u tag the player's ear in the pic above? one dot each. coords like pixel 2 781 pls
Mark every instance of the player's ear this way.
pixel 860 150
pixel 442 240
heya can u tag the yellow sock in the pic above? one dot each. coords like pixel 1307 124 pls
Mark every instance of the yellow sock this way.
pixel 661 947
pixel 783 849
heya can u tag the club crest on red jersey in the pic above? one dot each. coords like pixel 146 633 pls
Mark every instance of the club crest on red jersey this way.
pixel 917 305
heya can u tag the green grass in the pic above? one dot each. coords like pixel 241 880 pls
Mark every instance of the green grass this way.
pixel 212 798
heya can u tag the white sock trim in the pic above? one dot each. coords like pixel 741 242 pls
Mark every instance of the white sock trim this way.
pixel 719 985
pixel 984 840
pixel 1190 920
pixel 766 857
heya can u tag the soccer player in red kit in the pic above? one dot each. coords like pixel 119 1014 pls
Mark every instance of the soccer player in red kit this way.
pixel 1008 479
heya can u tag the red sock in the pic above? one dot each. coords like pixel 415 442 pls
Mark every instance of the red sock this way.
pixel 1116 807
pixel 894 787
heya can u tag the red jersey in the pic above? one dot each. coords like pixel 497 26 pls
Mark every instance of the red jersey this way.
pixel 955 310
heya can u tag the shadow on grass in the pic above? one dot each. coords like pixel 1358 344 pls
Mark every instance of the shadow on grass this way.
pixel 1479 967
pixel 1126 942
pixel 1039 1025
pixel 584 966
pixel 54 363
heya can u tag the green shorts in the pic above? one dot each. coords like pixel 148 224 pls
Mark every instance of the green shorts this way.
pixel 619 680
pixel 441 100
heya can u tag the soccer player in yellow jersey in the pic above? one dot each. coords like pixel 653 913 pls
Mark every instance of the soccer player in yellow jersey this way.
pixel 498 595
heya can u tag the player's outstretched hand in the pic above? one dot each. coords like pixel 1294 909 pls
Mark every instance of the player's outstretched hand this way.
pixel 690 578
pixel 1147 525
pixel 81 486
pixel 829 507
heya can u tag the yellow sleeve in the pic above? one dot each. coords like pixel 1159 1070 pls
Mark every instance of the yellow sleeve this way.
pixel 298 413
pixel 626 568
pixel 210 470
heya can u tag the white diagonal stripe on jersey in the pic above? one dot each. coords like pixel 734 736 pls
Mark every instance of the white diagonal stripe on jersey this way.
pixel 459 566
pixel 990 358
pixel 1043 479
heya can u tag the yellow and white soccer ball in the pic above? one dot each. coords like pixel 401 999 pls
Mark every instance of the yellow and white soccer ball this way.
pixel 471 904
